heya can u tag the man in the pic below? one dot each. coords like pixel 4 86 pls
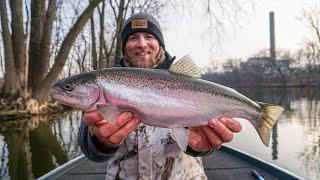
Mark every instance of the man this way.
pixel 134 150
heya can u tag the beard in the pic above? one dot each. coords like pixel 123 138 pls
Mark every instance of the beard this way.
pixel 143 62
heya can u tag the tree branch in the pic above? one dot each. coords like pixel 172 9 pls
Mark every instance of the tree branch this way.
pixel 61 59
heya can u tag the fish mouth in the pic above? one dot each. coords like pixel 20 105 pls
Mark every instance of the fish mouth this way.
pixel 59 96
pixel 62 97
pixel 56 93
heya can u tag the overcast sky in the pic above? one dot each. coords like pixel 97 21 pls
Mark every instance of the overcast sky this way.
pixel 185 35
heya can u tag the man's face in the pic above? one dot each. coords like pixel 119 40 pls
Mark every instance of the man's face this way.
pixel 142 49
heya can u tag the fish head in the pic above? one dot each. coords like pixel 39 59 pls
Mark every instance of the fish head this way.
pixel 79 92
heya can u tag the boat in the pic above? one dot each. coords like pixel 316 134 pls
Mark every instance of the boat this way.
pixel 225 163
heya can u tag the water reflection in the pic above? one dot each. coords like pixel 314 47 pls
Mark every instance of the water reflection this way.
pixel 295 139
pixel 31 148
pixel 275 142
pixel 311 155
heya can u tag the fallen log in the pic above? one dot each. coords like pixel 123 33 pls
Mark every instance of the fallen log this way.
pixel 14 114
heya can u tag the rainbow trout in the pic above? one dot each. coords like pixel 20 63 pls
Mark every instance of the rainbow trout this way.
pixel 173 98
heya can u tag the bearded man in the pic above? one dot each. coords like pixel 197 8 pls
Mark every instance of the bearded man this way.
pixel 136 151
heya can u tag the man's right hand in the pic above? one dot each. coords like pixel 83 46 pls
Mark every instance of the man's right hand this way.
pixel 111 134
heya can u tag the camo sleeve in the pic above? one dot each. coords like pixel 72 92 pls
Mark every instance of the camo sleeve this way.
pixel 90 146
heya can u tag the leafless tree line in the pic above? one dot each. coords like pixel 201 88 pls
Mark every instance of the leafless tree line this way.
pixel 296 70
pixel 44 40
pixel 304 63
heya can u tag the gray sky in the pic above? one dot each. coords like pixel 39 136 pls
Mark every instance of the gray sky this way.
pixel 186 35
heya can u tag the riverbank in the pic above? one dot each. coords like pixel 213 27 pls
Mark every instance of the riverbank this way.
pixel 240 83
pixel 273 85
pixel 26 108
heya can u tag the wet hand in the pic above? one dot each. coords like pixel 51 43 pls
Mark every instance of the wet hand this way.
pixel 111 134
pixel 218 131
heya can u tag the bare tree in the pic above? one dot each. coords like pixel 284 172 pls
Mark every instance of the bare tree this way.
pixel 39 49
pixel 101 58
pixel 81 51
pixel 232 70
pixel 40 41
pixel 93 44
pixel 230 64
pixel 61 58
pixel 122 7
pixel 281 54
pixel 18 43
pixel 12 86
pixel 312 19
pixel 309 54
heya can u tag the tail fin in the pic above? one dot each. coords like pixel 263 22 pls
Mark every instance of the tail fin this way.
pixel 271 114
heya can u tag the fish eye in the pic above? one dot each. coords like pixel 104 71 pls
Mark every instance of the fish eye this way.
pixel 67 87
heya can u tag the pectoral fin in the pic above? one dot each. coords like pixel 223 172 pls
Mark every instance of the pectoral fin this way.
pixel 181 135
pixel 108 112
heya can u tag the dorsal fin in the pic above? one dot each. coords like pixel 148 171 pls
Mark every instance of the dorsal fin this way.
pixel 186 67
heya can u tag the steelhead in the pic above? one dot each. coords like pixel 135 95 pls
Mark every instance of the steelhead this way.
pixel 173 98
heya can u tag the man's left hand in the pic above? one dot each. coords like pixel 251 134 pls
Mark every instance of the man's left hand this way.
pixel 218 131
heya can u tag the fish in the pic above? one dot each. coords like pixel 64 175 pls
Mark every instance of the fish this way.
pixel 173 98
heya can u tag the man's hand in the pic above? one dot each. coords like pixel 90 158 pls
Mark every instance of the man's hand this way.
pixel 218 131
pixel 111 135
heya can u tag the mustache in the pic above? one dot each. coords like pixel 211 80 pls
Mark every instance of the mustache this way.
pixel 140 50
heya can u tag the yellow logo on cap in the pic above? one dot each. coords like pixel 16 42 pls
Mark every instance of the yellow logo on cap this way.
pixel 139 24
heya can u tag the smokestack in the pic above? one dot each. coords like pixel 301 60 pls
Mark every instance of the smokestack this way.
pixel 272 37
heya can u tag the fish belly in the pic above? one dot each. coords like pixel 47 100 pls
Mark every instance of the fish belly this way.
pixel 172 109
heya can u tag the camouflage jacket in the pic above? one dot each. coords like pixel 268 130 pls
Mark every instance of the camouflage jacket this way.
pixel 144 155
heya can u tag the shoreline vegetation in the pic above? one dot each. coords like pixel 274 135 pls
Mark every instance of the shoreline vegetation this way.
pixel 280 86
pixel 261 72
pixel 27 108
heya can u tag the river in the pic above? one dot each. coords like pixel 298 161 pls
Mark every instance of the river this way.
pixel 31 148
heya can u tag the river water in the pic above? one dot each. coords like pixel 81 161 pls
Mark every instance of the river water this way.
pixel 31 148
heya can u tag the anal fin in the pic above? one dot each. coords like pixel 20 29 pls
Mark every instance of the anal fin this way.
pixel 181 135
